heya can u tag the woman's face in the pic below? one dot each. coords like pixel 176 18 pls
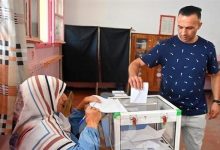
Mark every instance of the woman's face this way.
pixel 61 102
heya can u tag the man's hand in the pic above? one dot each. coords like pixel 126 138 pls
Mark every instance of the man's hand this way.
pixel 82 105
pixel 93 116
pixel 136 82
pixel 214 111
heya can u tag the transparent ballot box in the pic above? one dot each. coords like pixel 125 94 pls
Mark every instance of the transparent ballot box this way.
pixel 154 125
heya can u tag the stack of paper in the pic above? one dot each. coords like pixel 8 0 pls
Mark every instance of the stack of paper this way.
pixel 155 144
pixel 119 94
pixel 147 138
pixel 142 134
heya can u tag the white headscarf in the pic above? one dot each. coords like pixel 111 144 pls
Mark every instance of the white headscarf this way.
pixel 37 126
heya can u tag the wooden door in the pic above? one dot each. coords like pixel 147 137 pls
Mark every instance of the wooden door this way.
pixel 141 44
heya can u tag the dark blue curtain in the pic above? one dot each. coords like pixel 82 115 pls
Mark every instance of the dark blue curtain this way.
pixel 80 54
pixel 114 54
pixel 81 62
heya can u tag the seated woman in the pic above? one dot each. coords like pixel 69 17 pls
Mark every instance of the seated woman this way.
pixel 38 125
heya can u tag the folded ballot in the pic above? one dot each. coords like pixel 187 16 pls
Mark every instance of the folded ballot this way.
pixel 108 105
pixel 155 144
pixel 146 138
pixel 144 134
pixel 139 96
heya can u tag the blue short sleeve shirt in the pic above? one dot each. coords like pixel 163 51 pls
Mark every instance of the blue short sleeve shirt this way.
pixel 183 72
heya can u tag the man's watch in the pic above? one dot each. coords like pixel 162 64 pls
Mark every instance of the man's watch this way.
pixel 216 101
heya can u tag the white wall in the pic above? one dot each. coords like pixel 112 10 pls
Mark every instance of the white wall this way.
pixel 141 15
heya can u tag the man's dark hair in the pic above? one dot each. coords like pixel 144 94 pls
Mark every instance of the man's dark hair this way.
pixel 190 10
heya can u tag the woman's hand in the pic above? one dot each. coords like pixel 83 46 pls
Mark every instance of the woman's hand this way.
pixel 82 105
pixel 93 116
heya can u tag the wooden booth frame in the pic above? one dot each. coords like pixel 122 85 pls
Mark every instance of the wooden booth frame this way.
pixel 167 25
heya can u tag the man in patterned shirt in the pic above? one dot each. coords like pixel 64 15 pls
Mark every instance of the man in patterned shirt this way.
pixel 184 59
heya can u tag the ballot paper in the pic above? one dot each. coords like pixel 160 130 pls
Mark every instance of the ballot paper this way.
pixel 108 105
pixel 139 96
pixel 155 144
pixel 142 134
pixel 119 94
pixel 141 138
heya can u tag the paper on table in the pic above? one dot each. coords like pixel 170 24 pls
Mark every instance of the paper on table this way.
pixel 139 96
pixel 108 105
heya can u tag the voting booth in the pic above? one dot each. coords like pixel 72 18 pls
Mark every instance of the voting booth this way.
pixel 153 125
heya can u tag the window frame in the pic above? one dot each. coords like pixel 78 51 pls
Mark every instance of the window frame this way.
pixel 30 37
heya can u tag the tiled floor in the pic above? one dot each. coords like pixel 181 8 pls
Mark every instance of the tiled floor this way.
pixel 212 134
